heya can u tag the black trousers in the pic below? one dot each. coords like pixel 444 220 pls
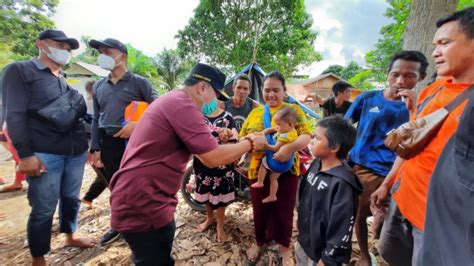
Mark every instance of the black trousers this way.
pixel 153 247
pixel 111 150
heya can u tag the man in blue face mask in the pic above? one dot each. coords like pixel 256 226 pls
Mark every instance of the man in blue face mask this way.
pixel 52 157
pixel 144 190
pixel 111 95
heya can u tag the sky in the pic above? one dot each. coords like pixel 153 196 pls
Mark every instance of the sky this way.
pixel 347 29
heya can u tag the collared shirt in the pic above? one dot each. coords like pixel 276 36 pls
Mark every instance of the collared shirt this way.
pixel 110 101
pixel 27 87
pixel 143 192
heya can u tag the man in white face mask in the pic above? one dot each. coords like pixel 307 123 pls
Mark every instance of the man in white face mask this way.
pixel 52 158
pixel 111 95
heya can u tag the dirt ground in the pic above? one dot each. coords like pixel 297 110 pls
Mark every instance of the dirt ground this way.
pixel 189 247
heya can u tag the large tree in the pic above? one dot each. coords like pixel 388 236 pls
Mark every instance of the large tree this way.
pixel 21 21
pixel 89 55
pixel 390 41
pixel 335 69
pixel 231 34
pixel 350 70
pixel 140 63
pixel 392 36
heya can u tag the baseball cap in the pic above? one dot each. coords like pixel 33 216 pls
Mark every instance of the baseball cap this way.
pixel 109 42
pixel 58 36
pixel 213 76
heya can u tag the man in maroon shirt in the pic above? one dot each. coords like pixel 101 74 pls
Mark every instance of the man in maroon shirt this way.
pixel 144 189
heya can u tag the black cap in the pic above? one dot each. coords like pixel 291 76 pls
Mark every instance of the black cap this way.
pixel 59 36
pixel 213 76
pixel 109 42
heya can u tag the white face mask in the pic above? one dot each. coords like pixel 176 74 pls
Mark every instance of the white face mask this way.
pixel 59 56
pixel 107 62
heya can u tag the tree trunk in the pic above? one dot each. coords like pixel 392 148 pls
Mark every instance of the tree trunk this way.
pixel 421 28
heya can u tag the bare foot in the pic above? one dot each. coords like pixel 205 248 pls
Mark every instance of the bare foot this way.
pixel 269 199
pixel 286 259
pixel 38 261
pixel 257 185
pixel 223 237
pixel 10 188
pixel 204 226
pixel 2 216
pixel 189 188
pixel 80 242
pixel 253 253
pixel 2 180
pixel 89 204
pixel 364 262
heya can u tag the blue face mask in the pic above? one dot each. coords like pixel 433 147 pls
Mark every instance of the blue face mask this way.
pixel 209 108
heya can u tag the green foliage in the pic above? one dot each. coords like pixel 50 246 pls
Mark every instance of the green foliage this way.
pixel 391 40
pixel 139 63
pixel 232 34
pixel 89 55
pixel 171 67
pixel 465 3
pixel 159 85
pixel 6 55
pixel 21 21
pixel 345 73
pixel 362 80
pixel 350 71
pixel 335 69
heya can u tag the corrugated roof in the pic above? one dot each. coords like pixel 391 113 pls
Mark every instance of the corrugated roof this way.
pixel 95 69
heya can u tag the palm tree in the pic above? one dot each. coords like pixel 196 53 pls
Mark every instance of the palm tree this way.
pixel 169 66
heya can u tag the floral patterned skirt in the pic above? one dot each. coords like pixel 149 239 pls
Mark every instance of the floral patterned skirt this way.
pixel 216 190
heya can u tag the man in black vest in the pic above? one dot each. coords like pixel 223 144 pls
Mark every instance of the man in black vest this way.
pixel 52 159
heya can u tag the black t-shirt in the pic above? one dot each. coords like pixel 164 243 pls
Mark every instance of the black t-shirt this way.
pixel 329 107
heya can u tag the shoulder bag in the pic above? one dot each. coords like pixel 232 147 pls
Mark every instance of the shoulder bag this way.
pixel 64 112
pixel 411 138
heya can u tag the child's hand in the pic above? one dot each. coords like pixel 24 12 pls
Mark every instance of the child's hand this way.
pixel 224 134
pixel 283 154
pixel 269 131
